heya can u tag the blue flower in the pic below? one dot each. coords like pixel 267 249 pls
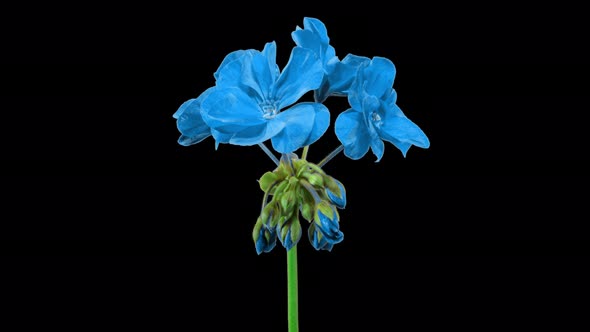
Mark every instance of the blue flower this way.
pixel 339 75
pixel 190 122
pixel 249 103
pixel 374 115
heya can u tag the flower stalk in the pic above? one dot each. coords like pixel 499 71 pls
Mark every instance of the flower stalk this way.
pixel 292 291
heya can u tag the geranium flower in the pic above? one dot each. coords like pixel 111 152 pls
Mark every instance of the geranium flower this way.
pixel 374 115
pixel 251 99
pixel 190 122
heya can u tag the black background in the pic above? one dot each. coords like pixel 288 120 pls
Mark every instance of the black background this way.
pixel 108 219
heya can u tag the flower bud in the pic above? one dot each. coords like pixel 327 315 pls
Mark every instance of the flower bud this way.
pixel 267 180
pixel 288 202
pixel 290 233
pixel 315 179
pixel 307 210
pixel 317 239
pixel 336 193
pixel 264 238
pixel 326 220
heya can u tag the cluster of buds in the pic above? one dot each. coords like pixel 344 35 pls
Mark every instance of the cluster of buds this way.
pixel 299 188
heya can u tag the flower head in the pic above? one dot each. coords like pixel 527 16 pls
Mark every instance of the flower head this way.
pixel 374 115
pixel 190 122
pixel 251 99
pixel 339 75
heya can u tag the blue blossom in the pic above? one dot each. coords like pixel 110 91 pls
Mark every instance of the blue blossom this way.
pixel 250 101
pixel 190 122
pixel 374 115
pixel 338 75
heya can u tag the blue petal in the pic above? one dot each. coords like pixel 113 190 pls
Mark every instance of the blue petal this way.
pixel 342 74
pixel 303 73
pixel 220 137
pixel 351 130
pixel 190 122
pixel 402 132
pixel 308 39
pixel 257 134
pixel 377 77
pixel 340 78
pixel 355 98
pixel 390 101
pixel 270 53
pixel 317 27
pixel 355 60
pixel 320 123
pixel 229 72
pixel 302 124
pixel 231 110
pixel 258 74
pixel 378 148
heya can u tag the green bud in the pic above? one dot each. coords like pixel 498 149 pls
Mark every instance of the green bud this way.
pixel 256 231
pixel 267 212
pixel 315 179
pixel 295 229
pixel 284 230
pixel 326 209
pixel 307 211
pixel 267 180
pixel 299 165
pixel 274 216
pixel 332 184
pixel 288 202
pixel 278 189
pixel 281 221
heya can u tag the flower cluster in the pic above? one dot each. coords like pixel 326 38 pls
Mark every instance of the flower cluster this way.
pixel 299 187
pixel 253 101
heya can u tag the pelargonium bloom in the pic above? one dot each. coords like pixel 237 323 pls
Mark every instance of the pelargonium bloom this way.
pixel 339 75
pixel 190 122
pixel 374 115
pixel 250 101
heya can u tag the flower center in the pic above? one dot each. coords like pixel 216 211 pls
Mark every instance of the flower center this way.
pixel 269 109
pixel 376 118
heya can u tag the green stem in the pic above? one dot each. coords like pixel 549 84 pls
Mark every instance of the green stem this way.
pixel 292 301
pixel 304 154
